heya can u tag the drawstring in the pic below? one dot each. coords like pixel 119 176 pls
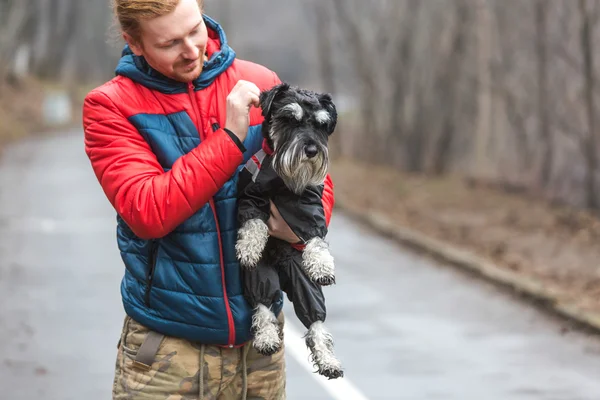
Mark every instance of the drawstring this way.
pixel 201 377
pixel 244 353
pixel 245 350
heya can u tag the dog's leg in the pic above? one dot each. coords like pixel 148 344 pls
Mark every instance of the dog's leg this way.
pixel 320 343
pixel 267 334
pixel 318 262
pixel 252 239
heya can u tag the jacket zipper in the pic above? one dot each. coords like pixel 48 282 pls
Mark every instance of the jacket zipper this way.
pixel 152 254
pixel 227 306
pixel 214 210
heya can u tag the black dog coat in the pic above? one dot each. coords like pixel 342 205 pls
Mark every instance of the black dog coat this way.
pixel 280 267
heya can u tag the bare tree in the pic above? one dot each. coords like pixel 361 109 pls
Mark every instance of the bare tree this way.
pixel 399 65
pixel 14 15
pixel 590 145
pixel 324 45
pixel 448 83
pixel 484 48
pixel 357 46
pixel 545 133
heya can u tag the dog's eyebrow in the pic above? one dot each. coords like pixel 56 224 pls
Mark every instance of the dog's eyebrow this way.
pixel 296 109
pixel 322 116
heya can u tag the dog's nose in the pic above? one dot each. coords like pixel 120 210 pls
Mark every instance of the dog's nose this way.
pixel 310 150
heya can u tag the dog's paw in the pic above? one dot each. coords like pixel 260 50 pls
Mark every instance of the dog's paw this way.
pixel 268 337
pixel 320 344
pixel 265 344
pixel 332 373
pixel 251 241
pixel 318 262
pixel 326 280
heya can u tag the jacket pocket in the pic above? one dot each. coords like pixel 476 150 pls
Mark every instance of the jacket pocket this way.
pixel 152 256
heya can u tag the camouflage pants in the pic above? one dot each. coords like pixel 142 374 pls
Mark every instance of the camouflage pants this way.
pixel 184 370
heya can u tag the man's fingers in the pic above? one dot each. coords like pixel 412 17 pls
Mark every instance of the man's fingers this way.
pixel 251 86
pixel 239 84
pixel 252 89
pixel 278 228
pixel 247 92
pixel 254 93
pixel 274 210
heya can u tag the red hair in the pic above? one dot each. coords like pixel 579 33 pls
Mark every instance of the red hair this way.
pixel 129 13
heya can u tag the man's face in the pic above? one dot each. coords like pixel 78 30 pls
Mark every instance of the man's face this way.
pixel 174 44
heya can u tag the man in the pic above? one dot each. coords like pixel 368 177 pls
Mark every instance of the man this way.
pixel 166 139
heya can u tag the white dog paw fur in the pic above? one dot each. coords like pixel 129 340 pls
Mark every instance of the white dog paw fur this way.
pixel 318 262
pixel 267 333
pixel 320 343
pixel 251 241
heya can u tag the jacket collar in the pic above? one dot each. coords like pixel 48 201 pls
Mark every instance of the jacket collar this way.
pixel 266 148
pixel 220 57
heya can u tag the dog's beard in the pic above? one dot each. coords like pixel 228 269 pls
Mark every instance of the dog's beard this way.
pixel 296 169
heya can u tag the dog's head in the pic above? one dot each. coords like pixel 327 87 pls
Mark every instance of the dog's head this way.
pixel 297 126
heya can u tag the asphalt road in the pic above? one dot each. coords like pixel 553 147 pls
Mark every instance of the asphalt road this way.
pixel 405 326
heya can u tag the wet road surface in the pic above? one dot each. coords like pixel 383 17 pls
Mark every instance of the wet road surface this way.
pixel 405 326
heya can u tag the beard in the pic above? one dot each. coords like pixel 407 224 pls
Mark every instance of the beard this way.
pixel 184 73
pixel 298 171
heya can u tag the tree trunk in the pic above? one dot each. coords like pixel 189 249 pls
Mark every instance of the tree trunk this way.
pixel 415 142
pixel 324 45
pixel 368 96
pixel 589 143
pixel 449 88
pixel 484 108
pixel 399 66
pixel 545 132
pixel 325 55
pixel 11 27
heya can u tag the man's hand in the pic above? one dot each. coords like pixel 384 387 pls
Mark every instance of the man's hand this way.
pixel 279 228
pixel 243 95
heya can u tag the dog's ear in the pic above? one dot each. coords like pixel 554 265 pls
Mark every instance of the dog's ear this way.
pixel 327 103
pixel 268 96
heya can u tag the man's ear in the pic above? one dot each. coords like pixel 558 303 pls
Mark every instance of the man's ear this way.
pixel 327 103
pixel 134 45
pixel 267 97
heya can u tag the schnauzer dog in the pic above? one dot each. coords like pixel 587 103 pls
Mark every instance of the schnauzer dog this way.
pixel 289 171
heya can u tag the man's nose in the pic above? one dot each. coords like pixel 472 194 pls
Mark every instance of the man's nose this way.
pixel 191 51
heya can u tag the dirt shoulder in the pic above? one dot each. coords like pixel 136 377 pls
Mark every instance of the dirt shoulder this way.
pixel 556 246
pixel 21 108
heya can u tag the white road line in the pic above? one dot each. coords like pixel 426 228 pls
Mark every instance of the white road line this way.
pixel 339 389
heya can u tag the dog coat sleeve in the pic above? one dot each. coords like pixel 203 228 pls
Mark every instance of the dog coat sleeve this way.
pixel 305 214
pixel 254 188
